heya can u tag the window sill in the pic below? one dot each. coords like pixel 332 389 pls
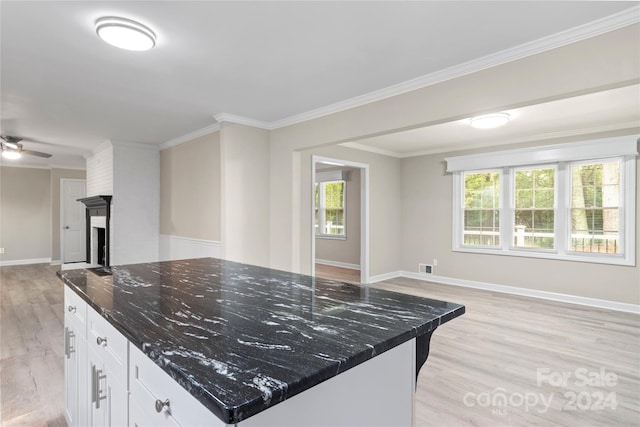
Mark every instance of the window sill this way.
pixel 330 237
pixel 590 258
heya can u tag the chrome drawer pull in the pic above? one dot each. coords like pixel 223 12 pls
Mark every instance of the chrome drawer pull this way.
pixel 71 309
pixel 160 405
pixel 101 341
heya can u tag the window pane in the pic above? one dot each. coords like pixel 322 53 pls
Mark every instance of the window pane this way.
pixel 332 206
pixel 482 209
pixel 482 190
pixel 534 199
pixel 595 208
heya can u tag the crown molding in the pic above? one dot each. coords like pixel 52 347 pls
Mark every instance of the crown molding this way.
pixel 192 135
pixel 106 144
pixel 239 120
pixel 573 35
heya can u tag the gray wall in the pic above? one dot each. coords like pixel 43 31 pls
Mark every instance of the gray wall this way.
pixel 384 206
pixel 426 234
pixel 345 250
pixel 30 212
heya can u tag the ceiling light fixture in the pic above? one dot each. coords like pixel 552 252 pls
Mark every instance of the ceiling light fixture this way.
pixel 125 33
pixel 10 154
pixel 489 121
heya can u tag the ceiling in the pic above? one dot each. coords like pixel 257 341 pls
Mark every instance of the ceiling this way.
pixel 66 91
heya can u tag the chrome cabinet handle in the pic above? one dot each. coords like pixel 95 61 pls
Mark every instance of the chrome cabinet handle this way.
pixel 160 405
pixel 66 343
pixel 71 309
pixel 101 340
pixel 95 386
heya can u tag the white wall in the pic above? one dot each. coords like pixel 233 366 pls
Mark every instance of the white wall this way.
pixel 100 172
pixel 135 204
pixel 244 154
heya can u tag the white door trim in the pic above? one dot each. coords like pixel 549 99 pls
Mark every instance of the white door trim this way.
pixel 364 212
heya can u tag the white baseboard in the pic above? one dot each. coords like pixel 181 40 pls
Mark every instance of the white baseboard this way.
pixel 177 247
pixel 337 264
pixel 56 262
pixel 533 293
pixel 25 262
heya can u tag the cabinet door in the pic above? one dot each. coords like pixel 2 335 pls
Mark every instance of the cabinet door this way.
pixel 71 380
pixel 75 360
pixel 108 398
pixel 95 390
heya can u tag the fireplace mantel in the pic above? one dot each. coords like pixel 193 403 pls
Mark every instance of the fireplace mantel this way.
pixel 98 206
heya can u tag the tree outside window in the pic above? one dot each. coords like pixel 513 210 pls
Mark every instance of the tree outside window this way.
pixel 595 207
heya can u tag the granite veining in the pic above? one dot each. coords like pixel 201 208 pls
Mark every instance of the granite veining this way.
pixel 242 338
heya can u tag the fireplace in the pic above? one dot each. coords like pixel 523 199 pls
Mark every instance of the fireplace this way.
pixel 98 216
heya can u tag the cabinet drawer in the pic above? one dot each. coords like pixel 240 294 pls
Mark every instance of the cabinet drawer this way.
pixel 75 312
pixel 149 383
pixel 108 344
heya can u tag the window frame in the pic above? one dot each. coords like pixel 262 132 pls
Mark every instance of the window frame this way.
pixel 500 208
pixel 567 155
pixel 511 176
pixel 321 210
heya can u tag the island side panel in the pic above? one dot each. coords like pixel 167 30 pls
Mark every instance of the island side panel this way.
pixel 378 392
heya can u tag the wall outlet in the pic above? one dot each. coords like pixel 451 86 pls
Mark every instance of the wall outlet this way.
pixel 435 262
pixel 425 268
pixel 1 251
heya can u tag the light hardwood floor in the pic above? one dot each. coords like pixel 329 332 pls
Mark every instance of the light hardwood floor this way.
pixel 495 349
pixel 338 273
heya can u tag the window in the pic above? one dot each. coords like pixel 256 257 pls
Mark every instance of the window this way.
pixel 568 201
pixel 534 208
pixel 595 207
pixel 482 208
pixel 330 208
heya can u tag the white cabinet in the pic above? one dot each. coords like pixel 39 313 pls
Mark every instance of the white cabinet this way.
pixel 157 400
pixel 95 363
pixel 75 359
pixel 107 371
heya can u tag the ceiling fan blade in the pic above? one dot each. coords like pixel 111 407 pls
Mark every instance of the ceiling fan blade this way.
pixel 36 153
pixel 13 145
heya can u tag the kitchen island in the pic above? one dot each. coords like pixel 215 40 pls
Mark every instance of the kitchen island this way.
pixel 245 344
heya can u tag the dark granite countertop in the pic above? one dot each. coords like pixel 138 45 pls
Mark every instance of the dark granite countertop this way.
pixel 242 338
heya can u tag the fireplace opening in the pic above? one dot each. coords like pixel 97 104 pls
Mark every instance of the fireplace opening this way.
pixel 101 246
pixel 98 215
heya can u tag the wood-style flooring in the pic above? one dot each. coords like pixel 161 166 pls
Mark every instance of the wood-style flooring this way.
pixel 338 273
pixel 497 365
pixel 31 347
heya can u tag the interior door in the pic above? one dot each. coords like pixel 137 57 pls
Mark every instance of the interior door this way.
pixel 73 220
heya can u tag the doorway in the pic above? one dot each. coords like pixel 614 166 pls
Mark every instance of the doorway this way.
pixel 340 219
pixel 72 220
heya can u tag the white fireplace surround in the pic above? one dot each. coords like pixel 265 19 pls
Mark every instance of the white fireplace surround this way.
pixel 97 222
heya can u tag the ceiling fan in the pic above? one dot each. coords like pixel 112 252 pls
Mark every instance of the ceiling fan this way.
pixel 12 148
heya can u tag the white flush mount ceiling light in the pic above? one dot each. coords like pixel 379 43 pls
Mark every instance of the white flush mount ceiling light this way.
pixel 125 33
pixel 489 121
